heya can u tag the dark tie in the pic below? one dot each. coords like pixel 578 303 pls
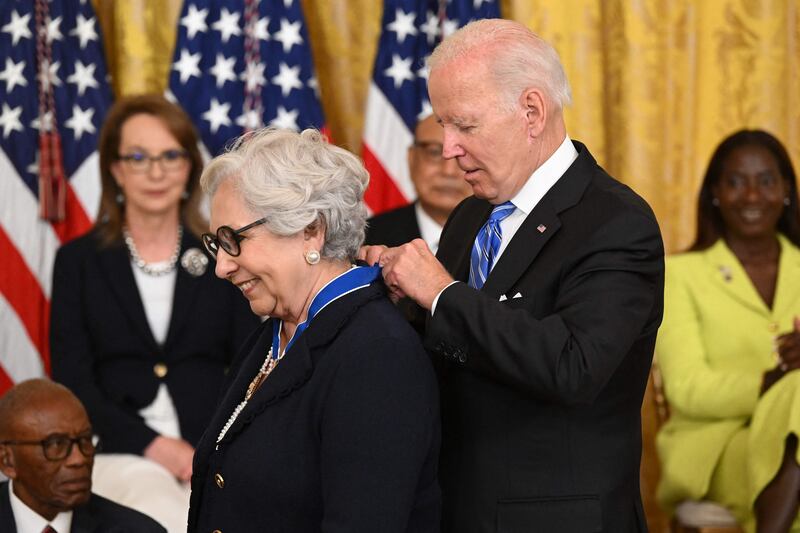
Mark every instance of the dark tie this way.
pixel 487 243
pixel 48 529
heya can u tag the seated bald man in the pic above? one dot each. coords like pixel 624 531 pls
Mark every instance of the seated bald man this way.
pixel 47 451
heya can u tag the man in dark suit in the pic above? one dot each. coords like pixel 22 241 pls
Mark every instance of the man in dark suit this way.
pixel 545 300
pixel 439 184
pixel 47 451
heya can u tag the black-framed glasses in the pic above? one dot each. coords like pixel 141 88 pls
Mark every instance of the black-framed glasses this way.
pixel 228 239
pixel 432 151
pixel 169 160
pixel 58 447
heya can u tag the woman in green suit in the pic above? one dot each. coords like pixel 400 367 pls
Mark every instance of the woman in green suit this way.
pixel 730 341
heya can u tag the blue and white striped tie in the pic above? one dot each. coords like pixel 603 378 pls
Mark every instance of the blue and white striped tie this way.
pixel 487 243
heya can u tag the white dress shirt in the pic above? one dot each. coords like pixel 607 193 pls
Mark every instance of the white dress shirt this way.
pixel 429 229
pixel 29 521
pixel 537 185
pixel 156 294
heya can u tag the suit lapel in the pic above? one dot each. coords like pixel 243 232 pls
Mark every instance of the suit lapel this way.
pixel 116 268
pixel 455 254
pixel 541 224
pixel 83 521
pixel 729 276
pixel 787 290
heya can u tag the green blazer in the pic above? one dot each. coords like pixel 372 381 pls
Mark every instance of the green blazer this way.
pixel 715 343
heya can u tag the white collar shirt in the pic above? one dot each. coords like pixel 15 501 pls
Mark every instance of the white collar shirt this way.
pixel 540 182
pixel 429 229
pixel 29 521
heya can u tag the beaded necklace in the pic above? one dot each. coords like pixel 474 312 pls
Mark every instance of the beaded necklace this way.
pixel 159 269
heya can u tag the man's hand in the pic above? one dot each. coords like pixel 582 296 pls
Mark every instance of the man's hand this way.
pixel 173 454
pixel 410 270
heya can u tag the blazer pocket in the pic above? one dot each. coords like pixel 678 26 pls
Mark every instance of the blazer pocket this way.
pixel 568 514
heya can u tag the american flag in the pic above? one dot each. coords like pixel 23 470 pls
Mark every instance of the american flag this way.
pixel 398 94
pixel 76 73
pixel 242 64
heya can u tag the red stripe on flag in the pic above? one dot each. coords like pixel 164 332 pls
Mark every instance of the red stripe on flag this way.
pixel 76 222
pixel 25 296
pixel 5 381
pixel 382 193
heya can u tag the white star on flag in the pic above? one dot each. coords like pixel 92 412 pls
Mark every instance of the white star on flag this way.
pixel 195 21
pixel 289 34
pixel 288 78
pixel 187 65
pixel 83 77
pixel 9 119
pixel 259 30
pixel 286 119
pixel 12 75
pixel 80 121
pixel 250 120
pixel 253 76
pixel 53 30
pixel 18 27
pixel 223 69
pixel 48 122
pixel 217 115
pixel 400 70
pixel 84 30
pixel 431 27
pixel 403 25
pixel 51 78
pixel 228 24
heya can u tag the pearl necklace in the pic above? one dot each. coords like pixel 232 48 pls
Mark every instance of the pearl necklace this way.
pixel 149 269
pixel 266 368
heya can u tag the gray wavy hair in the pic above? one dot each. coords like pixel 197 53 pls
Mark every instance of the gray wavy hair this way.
pixel 296 180
pixel 519 59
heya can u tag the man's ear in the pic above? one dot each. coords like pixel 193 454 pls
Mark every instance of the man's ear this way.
pixel 7 462
pixel 536 112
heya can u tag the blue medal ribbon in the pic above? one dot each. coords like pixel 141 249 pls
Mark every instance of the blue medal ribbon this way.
pixel 345 283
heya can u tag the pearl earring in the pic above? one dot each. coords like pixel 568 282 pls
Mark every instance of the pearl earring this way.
pixel 715 202
pixel 312 257
pixel 786 201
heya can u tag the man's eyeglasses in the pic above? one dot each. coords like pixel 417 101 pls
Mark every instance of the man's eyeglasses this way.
pixel 58 447
pixel 228 239
pixel 169 160
pixel 431 151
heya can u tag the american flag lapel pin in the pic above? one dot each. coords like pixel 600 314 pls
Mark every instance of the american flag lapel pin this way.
pixel 541 228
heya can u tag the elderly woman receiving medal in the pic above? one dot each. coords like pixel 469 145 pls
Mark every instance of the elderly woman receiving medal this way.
pixel 331 420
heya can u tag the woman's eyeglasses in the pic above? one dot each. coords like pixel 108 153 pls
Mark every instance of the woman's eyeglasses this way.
pixel 169 160
pixel 228 239
pixel 58 447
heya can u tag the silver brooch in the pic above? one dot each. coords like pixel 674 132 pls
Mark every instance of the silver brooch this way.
pixel 194 262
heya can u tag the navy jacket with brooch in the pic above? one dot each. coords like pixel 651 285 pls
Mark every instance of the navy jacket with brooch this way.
pixel 342 436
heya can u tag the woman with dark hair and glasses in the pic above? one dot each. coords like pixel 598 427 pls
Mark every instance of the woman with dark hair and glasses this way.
pixel 729 346
pixel 332 422
pixel 141 329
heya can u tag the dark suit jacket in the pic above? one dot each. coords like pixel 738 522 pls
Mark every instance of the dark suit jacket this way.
pixel 98 515
pixel 394 227
pixel 343 436
pixel 541 393
pixel 102 347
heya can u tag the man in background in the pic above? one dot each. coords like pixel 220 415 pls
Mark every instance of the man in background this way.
pixel 47 451
pixel 440 187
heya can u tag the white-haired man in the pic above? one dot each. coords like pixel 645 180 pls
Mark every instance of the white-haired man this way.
pixel 545 299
